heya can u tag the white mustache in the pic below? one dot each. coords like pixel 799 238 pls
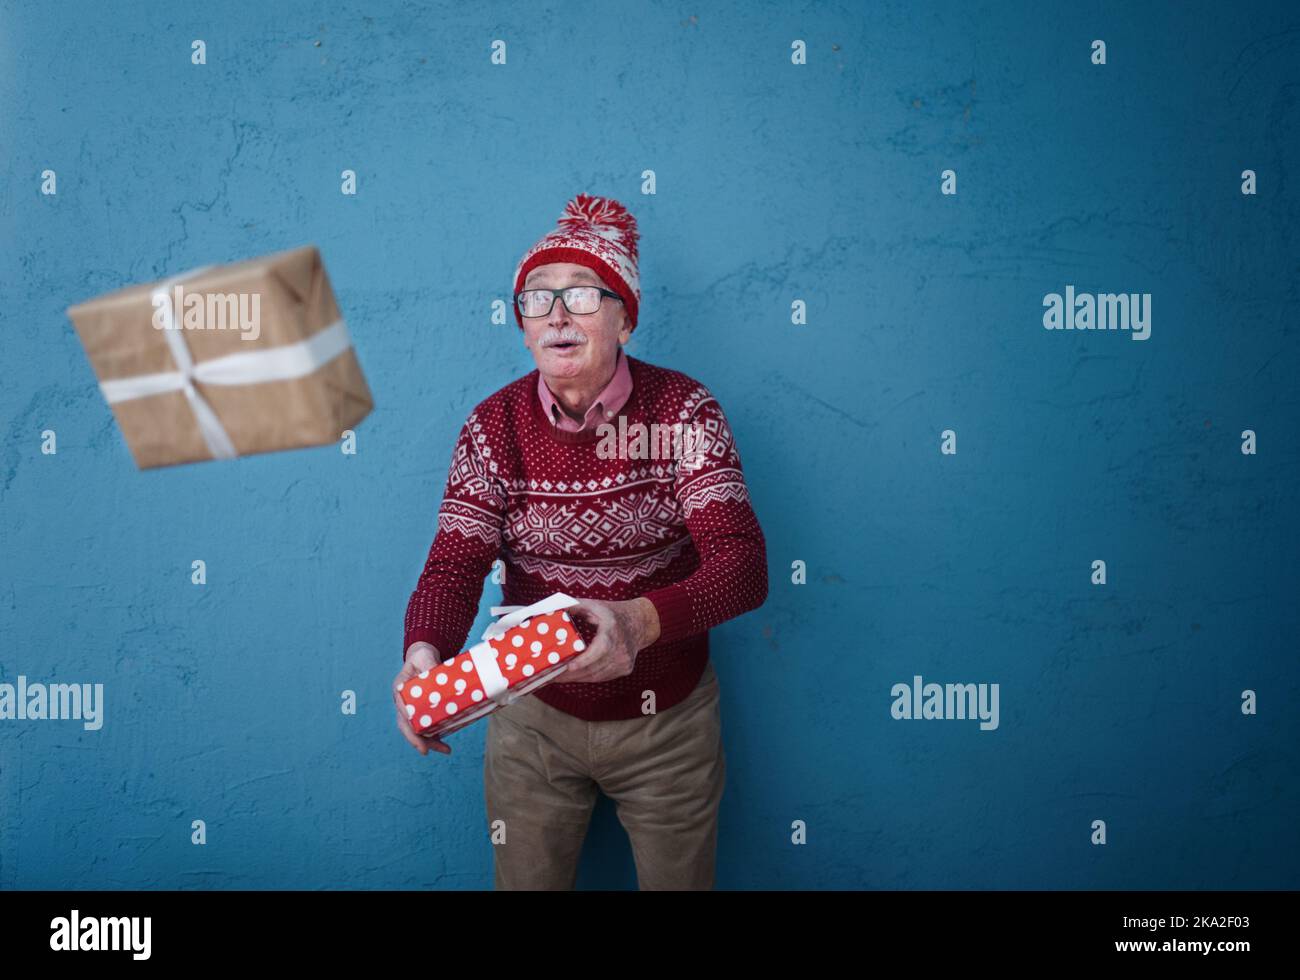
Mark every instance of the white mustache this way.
pixel 563 339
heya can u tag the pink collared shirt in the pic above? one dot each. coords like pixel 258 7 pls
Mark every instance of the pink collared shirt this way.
pixel 611 398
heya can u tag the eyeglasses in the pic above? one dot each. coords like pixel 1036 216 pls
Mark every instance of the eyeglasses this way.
pixel 577 300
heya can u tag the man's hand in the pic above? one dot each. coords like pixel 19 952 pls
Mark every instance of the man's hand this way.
pixel 419 658
pixel 623 629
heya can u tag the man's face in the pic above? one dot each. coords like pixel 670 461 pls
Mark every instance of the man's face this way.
pixel 572 346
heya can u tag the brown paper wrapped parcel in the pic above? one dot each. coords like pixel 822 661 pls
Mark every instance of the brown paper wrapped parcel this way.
pixel 226 360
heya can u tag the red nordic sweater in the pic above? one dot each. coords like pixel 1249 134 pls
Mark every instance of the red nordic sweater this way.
pixel 563 519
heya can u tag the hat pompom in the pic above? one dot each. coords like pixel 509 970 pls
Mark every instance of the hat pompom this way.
pixel 601 216
pixel 599 233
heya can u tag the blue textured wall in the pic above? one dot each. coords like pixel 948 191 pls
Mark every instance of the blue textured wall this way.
pixel 775 182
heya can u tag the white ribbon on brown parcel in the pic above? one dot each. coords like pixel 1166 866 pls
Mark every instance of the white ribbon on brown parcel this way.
pixel 283 363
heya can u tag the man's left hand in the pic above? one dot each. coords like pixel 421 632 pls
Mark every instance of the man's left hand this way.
pixel 623 629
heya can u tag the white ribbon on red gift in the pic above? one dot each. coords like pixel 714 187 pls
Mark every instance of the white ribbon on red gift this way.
pixel 484 655
pixel 485 662
pixel 489 672
pixel 517 614
pixel 283 363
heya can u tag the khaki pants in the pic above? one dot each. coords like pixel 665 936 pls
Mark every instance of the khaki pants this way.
pixel 542 769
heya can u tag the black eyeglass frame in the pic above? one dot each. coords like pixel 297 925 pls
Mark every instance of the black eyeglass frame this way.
pixel 560 293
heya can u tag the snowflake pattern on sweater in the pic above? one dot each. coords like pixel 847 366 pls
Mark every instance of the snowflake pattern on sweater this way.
pixel 682 533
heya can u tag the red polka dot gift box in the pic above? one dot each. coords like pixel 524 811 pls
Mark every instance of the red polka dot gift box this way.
pixel 524 649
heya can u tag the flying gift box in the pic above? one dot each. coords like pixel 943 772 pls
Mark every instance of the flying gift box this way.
pixel 524 649
pixel 226 360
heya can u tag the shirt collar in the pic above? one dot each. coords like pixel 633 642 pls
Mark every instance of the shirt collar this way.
pixel 611 398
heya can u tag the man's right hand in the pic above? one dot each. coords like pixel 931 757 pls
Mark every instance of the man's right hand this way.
pixel 419 658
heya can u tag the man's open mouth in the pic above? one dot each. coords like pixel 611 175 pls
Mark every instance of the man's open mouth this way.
pixel 564 345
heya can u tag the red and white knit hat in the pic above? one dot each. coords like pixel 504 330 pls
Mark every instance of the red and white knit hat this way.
pixel 597 232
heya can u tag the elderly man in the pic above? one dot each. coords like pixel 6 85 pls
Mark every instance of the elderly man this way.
pixel 658 550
